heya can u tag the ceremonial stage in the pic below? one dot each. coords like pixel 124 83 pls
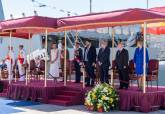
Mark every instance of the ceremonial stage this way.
pixel 55 92
pixel 73 94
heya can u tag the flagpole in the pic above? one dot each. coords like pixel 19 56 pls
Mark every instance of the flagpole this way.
pixel 147 4
pixel 90 6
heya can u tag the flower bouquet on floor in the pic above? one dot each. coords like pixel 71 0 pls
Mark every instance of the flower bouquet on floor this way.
pixel 102 98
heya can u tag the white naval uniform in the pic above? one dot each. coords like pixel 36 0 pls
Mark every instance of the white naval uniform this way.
pixel 54 67
pixel 10 61
pixel 20 62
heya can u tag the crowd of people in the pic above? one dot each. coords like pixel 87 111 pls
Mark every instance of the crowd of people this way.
pixel 88 58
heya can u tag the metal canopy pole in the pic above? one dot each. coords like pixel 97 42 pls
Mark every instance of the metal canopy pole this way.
pixel 46 55
pixel 113 45
pixel 76 36
pixel 28 60
pixel 65 78
pixel 9 76
pixel 29 54
pixel 144 57
pixel 83 69
pixel 15 70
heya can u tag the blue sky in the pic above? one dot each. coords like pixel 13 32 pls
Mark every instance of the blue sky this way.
pixel 16 7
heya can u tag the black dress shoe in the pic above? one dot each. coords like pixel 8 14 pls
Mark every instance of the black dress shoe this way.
pixel 92 85
pixel 126 88
pixel 120 87
pixel 76 82
pixel 87 85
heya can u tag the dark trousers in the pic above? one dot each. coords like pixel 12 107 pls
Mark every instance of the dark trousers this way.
pixel 90 79
pixel 77 71
pixel 1 87
pixel 104 78
pixel 124 78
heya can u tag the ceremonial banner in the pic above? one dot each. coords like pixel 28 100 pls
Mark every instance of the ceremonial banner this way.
pixel 37 54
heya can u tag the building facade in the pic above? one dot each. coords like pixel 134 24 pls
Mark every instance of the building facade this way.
pixel 2 17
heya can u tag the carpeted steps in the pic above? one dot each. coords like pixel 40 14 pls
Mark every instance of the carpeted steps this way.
pixel 4 93
pixel 67 97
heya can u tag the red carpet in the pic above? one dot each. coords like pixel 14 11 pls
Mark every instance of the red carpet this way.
pixel 73 94
pixel 67 97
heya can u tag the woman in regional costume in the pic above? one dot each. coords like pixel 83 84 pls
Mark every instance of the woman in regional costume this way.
pixel 10 60
pixel 54 61
pixel 21 61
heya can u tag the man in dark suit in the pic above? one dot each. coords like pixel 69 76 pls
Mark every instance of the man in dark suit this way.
pixel 104 61
pixel 78 57
pixel 122 59
pixel 90 62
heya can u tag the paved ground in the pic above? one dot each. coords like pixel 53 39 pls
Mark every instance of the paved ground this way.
pixel 22 107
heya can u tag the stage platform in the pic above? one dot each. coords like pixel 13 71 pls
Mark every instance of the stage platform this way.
pixel 133 99
pixel 55 92
pixel 73 94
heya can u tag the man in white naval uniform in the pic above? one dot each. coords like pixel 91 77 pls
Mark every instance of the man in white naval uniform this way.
pixel 10 61
pixel 21 61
